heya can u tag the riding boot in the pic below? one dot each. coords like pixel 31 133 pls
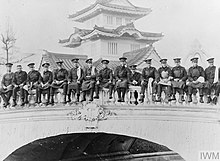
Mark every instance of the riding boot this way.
pixel 123 94
pixel 77 97
pixel 119 95
pixel 91 95
pixel 190 98
pixel 141 98
pixel 96 92
pixel 201 99
pixel 83 96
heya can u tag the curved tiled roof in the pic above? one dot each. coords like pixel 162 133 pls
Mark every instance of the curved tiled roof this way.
pixel 52 58
pixel 104 4
pixel 120 31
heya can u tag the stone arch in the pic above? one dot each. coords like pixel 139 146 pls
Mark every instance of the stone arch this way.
pixel 92 146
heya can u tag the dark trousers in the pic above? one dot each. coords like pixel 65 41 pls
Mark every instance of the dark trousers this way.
pixel 43 92
pixel 179 90
pixel 160 89
pixel 98 87
pixel 6 95
pixel 23 94
pixel 192 90
pixel 144 87
pixel 121 93
pixel 64 87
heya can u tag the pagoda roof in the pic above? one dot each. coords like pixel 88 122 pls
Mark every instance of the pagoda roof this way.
pixel 113 6
pixel 97 32
pixel 133 57
pixel 52 58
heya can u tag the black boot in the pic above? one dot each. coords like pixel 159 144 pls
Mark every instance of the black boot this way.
pixel 215 99
pixel 83 96
pixel 141 99
pixel 69 98
pixel 158 99
pixel 123 95
pixel 173 98
pixel 119 95
pixel 201 99
pixel 96 93
pixel 22 102
pixel 14 103
pixel 209 100
pixel 77 97
pixel 91 95
pixel 190 98
pixel 52 100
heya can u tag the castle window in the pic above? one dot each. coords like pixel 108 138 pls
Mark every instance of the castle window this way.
pixel 112 48
pixel 134 47
pixel 127 21
pixel 109 20
pixel 118 21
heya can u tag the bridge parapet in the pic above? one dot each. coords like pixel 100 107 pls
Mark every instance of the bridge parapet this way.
pixel 177 127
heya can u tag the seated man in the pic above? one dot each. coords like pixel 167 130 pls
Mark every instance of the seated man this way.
pixel 209 79
pixel 122 76
pixel 89 80
pixel 179 75
pixel 7 85
pixel 60 79
pixel 147 73
pixel 75 78
pixel 46 81
pixel 135 80
pixel 19 81
pixel 33 80
pixel 165 76
pixel 196 76
pixel 216 86
pixel 104 79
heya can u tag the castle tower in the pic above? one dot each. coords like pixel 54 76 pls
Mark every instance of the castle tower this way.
pixel 111 30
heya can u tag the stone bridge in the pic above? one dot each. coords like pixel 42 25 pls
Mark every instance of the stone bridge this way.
pixel 185 129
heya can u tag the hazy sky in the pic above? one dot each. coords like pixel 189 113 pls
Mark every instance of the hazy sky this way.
pixel 39 24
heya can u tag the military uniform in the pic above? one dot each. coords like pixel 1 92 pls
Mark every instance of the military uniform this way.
pixel 194 73
pixel 19 81
pixel 33 82
pixel 147 73
pixel 46 81
pixel 75 78
pixel 7 87
pixel 179 75
pixel 165 74
pixel 122 76
pixel 105 79
pixel 89 80
pixel 60 79
pixel 217 87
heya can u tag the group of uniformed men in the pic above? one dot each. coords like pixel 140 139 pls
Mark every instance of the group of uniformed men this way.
pixel 90 81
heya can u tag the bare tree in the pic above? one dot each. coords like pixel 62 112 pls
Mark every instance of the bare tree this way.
pixel 8 41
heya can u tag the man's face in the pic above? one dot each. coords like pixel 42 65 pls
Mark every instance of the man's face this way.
pixel 211 63
pixel 177 63
pixel 75 64
pixel 19 68
pixel 46 68
pixel 164 64
pixel 8 68
pixel 123 63
pixel 148 65
pixel 31 68
pixel 89 65
pixel 105 65
pixel 59 65
pixel 194 63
